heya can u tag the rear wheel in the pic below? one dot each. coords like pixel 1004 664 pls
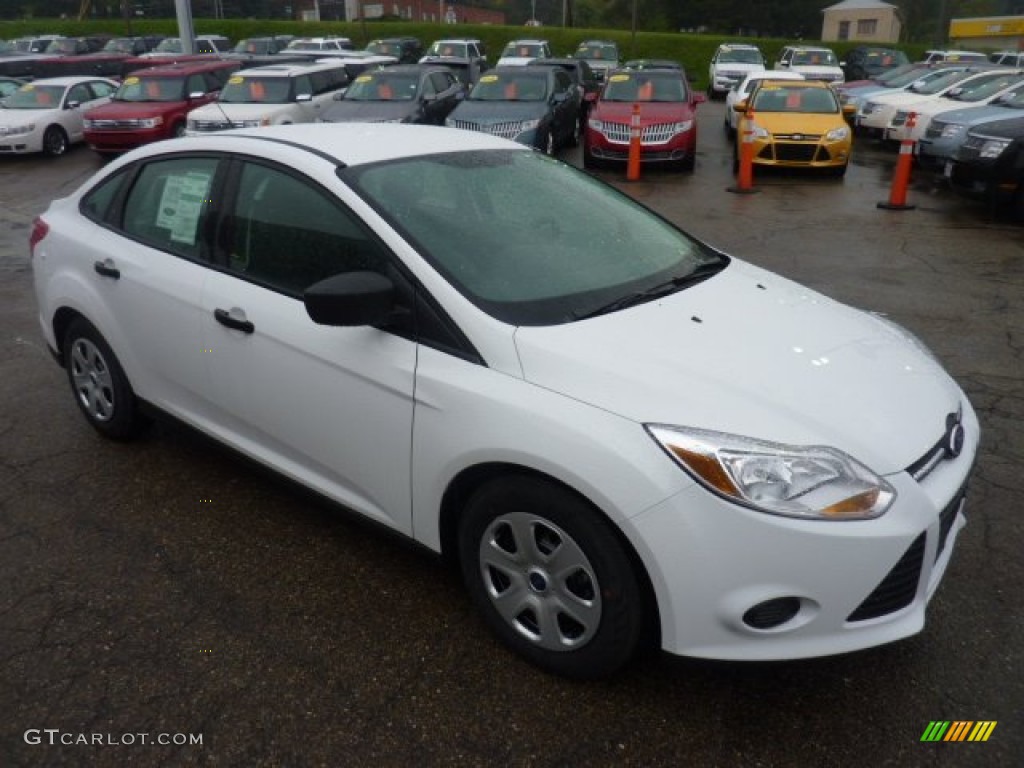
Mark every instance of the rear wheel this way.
pixel 55 141
pixel 550 577
pixel 99 384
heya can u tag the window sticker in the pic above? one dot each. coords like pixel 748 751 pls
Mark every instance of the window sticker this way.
pixel 489 79
pixel 618 78
pixel 236 80
pixel 364 79
pixel 181 204
pixel 131 80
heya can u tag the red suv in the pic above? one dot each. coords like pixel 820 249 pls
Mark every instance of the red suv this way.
pixel 668 120
pixel 152 104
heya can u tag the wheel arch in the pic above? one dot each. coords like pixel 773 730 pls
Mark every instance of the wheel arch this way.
pixel 466 482
pixel 62 320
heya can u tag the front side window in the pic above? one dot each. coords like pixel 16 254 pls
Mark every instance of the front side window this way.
pixel 527 239
pixel 288 234
pixel 169 202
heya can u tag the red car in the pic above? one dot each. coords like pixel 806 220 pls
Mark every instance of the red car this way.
pixel 667 118
pixel 152 104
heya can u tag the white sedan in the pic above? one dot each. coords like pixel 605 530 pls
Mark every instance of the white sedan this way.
pixel 742 90
pixel 46 115
pixel 619 434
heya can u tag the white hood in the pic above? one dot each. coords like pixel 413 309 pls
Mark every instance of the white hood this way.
pixel 750 353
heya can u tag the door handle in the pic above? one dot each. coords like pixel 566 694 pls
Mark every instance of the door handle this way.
pixel 107 269
pixel 227 319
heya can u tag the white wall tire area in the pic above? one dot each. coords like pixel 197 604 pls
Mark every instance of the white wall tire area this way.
pixel 550 577
pixel 99 384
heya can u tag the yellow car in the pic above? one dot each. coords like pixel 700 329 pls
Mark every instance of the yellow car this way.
pixel 796 123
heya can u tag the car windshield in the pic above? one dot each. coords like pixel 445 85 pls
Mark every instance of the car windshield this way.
pixel 447 49
pixel 35 97
pixel 644 86
pixel 511 86
pixel 900 76
pixel 151 89
pixel 119 45
pixel 383 86
pixel 523 50
pixel 62 46
pixel 774 97
pixel 884 58
pixel 815 58
pixel 600 51
pixel 168 45
pixel 940 82
pixel 740 56
pixel 256 90
pixel 252 46
pixel 528 239
pixel 985 87
pixel 385 49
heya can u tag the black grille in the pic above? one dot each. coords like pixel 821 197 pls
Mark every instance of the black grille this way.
pixel 795 153
pixel 897 589
pixel 946 518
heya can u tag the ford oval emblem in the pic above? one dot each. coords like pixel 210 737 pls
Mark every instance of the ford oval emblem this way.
pixel 955 436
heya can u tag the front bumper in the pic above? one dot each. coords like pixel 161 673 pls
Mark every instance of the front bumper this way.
pixel 654 148
pixel 786 153
pixel 848 585
pixel 23 143
pixel 123 141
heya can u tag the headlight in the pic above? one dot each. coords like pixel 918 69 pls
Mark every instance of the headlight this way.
pixel 682 127
pixel 597 125
pixel 251 123
pixel 88 125
pixel 994 147
pixel 193 125
pixel 529 125
pixel 952 130
pixel 449 122
pixel 813 482
pixel 19 130
pixel 837 134
pixel 151 122
pixel 761 133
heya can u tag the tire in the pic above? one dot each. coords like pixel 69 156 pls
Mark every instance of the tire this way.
pixel 838 171
pixel 585 624
pixel 55 141
pixel 687 164
pixel 99 385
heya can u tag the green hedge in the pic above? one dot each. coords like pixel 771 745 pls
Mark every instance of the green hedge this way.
pixel 693 51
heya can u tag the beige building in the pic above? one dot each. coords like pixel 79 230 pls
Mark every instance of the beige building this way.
pixel 862 21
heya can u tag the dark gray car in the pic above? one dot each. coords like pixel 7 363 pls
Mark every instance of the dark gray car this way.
pixel 537 106
pixel 399 94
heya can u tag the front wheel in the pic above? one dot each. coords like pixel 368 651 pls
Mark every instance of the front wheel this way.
pixel 550 577
pixel 99 384
pixel 55 141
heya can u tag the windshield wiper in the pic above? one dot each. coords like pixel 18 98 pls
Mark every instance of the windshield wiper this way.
pixel 698 275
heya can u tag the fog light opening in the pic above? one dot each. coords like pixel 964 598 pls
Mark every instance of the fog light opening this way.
pixel 772 613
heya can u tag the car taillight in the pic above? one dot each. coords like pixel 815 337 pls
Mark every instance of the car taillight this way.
pixel 39 230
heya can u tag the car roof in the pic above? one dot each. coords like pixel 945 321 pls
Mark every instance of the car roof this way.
pixel 528 40
pixel 745 46
pixel 184 67
pixel 795 82
pixel 349 144
pixel 295 69
pixel 70 80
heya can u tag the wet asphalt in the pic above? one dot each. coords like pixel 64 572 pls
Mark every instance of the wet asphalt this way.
pixel 168 589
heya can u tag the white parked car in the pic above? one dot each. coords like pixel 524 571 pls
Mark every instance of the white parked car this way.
pixel 977 91
pixel 812 62
pixel 518 53
pixel 277 94
pixel 438 330
pixel 730 64
pixel 878 110
pixel 46 115
pixel 742 92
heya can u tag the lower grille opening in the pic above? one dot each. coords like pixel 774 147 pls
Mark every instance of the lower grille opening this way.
pixel 897 589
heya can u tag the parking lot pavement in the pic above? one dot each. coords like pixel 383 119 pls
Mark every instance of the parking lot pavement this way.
pixel 167 587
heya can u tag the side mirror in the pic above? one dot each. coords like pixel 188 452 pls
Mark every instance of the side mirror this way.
pixel 429 98
pixel 73 105
pixel 699 97
pixel 350 299
pixel 196 95
pixel 849 110
pixel 740 106
pixel 303 97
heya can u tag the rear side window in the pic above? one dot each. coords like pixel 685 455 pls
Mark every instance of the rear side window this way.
pixel 96 203
pixel 168 204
